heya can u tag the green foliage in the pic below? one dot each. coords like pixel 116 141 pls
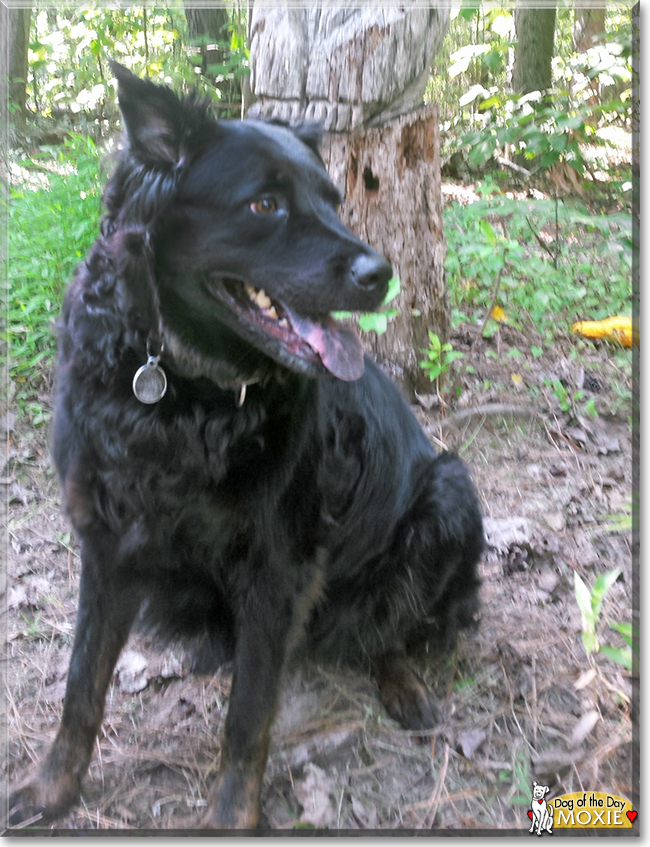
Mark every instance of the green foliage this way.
pixel 590 603
pixel 549 128
pixel 438 357
pixel 53 219
pixel 68 73
pixel 572 402
pixel 585 269
pixel 620 655
pixel 376 321
pixel 70 48
pixel 235 63
pixel 521 778
pixel 591 90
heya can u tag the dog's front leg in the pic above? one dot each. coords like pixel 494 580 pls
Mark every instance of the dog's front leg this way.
pixel 106 612
pixel 268 629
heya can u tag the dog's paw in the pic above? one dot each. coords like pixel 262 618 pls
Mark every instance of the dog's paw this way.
pixel 40 799
pixel 235 801
pixel 405 696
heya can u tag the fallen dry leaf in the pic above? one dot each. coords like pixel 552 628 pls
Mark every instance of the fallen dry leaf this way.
pixel 584 726
pixel 470 741
pixel 132 669
pixel 313 793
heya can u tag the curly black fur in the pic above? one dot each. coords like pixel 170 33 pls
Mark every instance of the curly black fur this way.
pixel 315 517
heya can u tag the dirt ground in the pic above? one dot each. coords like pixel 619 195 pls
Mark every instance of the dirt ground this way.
pixel 520 699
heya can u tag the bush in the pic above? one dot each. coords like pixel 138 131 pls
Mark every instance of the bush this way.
pixel 583 270
pixel 53 219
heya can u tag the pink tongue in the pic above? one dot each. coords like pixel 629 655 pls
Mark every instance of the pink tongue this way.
pixel 338 347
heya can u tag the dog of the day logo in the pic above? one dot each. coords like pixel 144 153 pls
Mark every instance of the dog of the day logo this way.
pixel 579 810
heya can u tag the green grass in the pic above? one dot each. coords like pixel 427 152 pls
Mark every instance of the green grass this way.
pixel 53 217
pixel 585 272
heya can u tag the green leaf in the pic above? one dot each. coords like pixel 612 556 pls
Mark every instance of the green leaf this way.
pixel 374 322
pixel 493 60
pixel 602 585
pixel 481 152
pixel 434 343
pixel 620 655
pixel 558 142
pixel 494 100
pixel 394 288
pixel 624 629
pixel 583 599
pixel 488 231
pixel 589 641
pixel 433 369
pixel 468 11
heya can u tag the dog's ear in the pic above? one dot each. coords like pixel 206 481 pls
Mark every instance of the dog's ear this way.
pixel 310 133
pixel 157 123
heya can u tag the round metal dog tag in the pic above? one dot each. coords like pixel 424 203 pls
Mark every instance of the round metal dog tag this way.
pixel 150 382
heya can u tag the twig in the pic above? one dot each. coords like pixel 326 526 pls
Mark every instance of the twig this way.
pixel 557 229
pixel 517 168
pixel 490 410
pixel 431 812
pixel 540 241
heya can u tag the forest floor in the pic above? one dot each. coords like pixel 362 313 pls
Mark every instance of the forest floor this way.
pixel 520 699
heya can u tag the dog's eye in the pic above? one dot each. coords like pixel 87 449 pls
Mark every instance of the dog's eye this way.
pixel 264 206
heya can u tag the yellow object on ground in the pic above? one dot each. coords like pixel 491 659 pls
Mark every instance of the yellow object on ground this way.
pixel 618 328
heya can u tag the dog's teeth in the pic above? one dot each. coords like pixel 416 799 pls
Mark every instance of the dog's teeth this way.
pixel 263 300
pixel 284 323
pixel 272 313
pixel 251 292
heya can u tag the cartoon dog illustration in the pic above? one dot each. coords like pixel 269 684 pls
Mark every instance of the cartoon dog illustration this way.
pixel 542 813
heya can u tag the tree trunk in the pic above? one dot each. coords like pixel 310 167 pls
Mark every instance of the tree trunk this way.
pixel 588 25
pixel 535 30
pixel 212 23
pixel 13 61
pixel 5 60
pixel 390 178
pixel 362 73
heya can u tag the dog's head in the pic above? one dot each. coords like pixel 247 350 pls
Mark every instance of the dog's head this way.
pixel 248 257
pixel 539 791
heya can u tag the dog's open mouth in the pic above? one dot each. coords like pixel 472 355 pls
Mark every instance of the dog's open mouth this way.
pixel 306 343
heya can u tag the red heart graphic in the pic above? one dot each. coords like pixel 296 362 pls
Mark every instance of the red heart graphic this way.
pixel 540 802
pixel 632 815
pixel 530 814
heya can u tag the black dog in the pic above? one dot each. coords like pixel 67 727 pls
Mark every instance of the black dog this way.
pixel 237 472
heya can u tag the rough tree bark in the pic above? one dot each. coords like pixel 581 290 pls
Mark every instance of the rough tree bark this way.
pixel 362 74
pixel 588 25
pixel 535 30
pixel 13 60
pixel 212 23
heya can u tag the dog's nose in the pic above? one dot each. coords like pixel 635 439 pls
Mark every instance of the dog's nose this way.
pixel 370 271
